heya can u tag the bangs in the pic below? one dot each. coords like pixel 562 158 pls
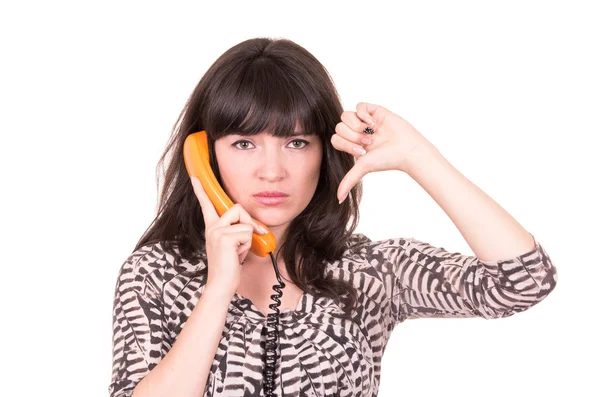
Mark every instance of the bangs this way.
pixel 263 96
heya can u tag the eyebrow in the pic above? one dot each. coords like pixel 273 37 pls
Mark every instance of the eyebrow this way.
pixel 295 133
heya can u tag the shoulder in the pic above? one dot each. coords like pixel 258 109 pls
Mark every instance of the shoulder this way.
pixel 147 268
pixel 359 247
pixel 367 265
pixel 376 256
pixel 362 254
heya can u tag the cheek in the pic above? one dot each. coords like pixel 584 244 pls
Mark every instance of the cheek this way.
pixel 313 172
pixel 316 166
pixel 234 181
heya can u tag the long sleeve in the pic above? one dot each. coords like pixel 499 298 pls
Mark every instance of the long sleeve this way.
pixel 138 342
pixel 428 281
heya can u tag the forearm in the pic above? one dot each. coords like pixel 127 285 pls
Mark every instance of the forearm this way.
pixel 491 232
pixel 184 370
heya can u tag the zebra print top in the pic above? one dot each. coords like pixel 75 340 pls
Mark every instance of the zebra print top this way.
pixel 321 354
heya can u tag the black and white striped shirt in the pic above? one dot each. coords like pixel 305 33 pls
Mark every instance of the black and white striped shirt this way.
pixel 321 353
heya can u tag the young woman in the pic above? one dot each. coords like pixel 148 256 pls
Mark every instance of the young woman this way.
pixel 191 301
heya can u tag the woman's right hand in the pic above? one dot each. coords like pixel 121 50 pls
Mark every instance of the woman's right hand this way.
pixel 227 244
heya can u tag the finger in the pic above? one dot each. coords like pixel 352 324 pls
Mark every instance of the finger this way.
pixel 353 176
pixel 352 120
pixel 364 115
pixel 245 238
pixel 244 248
pixel 345 145
pixel 241 233
pixel 351 135
pixel 355 130
pixel 241 236
pixel 208 209
pixel 236 214
pixel 371 112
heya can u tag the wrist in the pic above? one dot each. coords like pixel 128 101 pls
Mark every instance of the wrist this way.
pixel 421 157
pixel 218 293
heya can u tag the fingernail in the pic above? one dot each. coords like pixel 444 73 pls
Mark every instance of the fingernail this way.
pixel 360 151
pixel 262 229
pixel 368 120
pixel 343 198
pixel 366 141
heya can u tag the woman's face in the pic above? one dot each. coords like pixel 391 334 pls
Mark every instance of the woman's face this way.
pixel 254 164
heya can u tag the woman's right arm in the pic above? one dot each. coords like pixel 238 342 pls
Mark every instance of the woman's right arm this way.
pixel 184 370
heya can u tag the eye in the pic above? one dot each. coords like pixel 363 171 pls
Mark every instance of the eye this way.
pixel 301 141
pixel 238 142
pixel 245 142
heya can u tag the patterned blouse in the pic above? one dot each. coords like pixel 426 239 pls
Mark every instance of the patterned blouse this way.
pixel 321 354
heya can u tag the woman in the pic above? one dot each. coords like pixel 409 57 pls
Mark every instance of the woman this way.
pixel 191 300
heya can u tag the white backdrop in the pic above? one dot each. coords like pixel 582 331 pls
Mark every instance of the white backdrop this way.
pixel 508 92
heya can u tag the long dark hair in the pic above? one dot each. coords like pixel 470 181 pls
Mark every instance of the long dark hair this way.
pixel 258 85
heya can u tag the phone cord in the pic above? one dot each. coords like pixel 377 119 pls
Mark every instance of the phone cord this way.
pixel 272 336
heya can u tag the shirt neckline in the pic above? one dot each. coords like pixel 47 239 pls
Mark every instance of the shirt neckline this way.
pixel 304 305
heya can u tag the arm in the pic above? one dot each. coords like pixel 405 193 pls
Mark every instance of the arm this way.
pixel 491 232
pixel 509 272
pixel 428 281
pixel 184 370
pixel 144 363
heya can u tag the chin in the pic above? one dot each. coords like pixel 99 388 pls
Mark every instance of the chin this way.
pixel 271 216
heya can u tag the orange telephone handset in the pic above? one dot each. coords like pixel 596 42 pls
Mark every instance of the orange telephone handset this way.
pixel 196 158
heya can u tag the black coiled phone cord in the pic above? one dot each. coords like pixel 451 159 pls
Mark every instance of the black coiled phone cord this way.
pixel 272 335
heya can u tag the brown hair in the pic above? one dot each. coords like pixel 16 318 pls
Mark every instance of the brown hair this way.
pixel 258 85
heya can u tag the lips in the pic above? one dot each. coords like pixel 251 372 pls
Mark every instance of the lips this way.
pixel 271 193
pixel 271 197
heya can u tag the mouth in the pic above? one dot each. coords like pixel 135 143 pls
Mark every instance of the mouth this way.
pixel 275 199
pixel 271 193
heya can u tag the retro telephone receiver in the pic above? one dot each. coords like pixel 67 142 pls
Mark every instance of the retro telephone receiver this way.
pixel 196 158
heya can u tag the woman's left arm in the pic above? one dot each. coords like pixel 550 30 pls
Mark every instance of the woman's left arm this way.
pixel 491 232
pixel 395 144
pixel 510 271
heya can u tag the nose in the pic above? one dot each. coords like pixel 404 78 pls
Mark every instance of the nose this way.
pixel 271 167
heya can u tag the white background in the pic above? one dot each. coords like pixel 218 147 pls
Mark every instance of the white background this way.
pixel 509 93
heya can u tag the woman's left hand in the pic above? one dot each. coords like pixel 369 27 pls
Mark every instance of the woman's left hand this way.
pixel 391 147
